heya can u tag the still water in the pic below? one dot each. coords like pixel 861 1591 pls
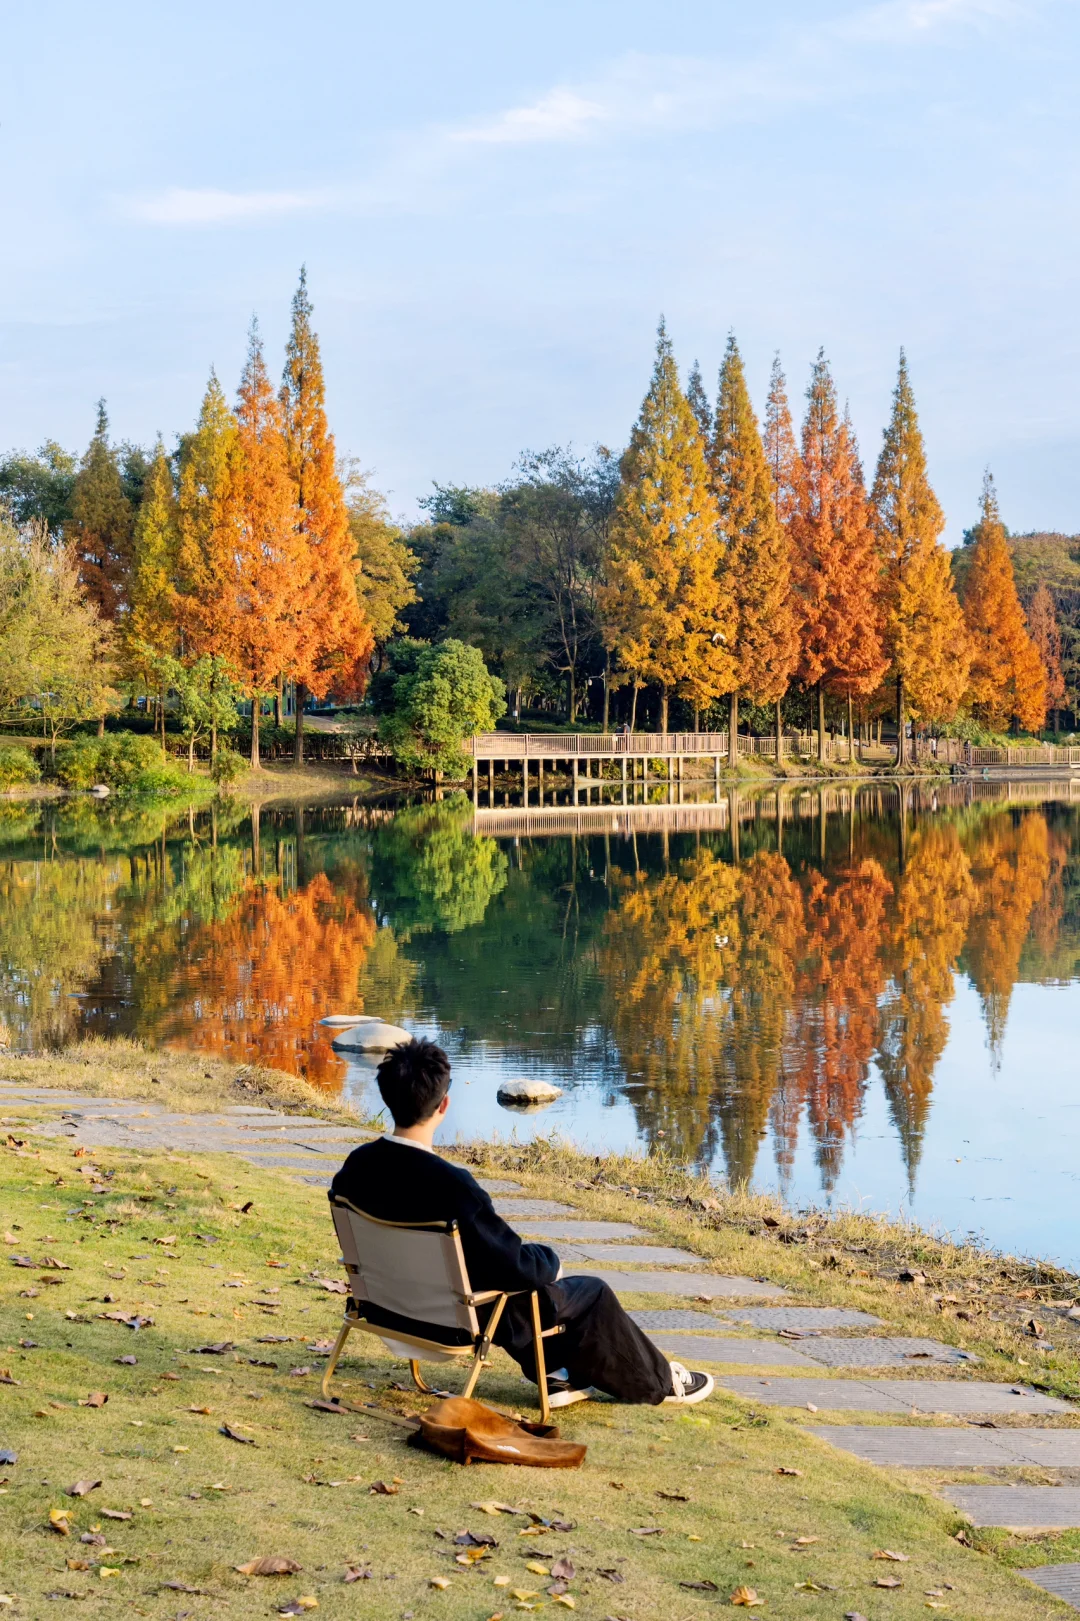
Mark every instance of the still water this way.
pixel 861 997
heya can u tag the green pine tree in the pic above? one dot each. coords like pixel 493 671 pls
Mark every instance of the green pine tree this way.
pixel 101 523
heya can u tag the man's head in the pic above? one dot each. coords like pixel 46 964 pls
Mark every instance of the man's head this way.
pixel 414 1079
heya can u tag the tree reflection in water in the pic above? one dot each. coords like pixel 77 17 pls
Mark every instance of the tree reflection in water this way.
pixel 727 988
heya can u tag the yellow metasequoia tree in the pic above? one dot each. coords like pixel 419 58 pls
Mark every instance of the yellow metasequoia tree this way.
pixel 669 610
pixel 925 635
pixel 1007 681
pixel 757 551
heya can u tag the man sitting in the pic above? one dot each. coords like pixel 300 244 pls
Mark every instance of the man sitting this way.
pixel 400 1178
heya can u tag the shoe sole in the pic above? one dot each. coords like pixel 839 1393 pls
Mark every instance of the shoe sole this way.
pixel 567 1398
pixel 695 1396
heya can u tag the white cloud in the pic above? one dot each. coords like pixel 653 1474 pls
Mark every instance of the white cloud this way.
pixel 895 20
pixel 558 116
pixel 178 205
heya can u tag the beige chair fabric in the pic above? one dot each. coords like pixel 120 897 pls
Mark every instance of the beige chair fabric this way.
pixel 416 1272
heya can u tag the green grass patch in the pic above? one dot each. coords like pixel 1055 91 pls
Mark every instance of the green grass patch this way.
pixel 729 1496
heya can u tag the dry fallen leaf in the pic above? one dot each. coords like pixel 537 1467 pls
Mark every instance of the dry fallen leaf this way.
pixel 6 1379
pixel 887 1553
pixel 805 1542
pixel 269 1565
pixel 537 1568
pixel 96 1398
pixel 746 1597
pixel 674 1497
pixel 379 1488
pixel 108 1570
pixel 58 1520
pixel 784 1471
pixel 565 1600
pixel 297 1606
pixel 888 1581
pixel 234 1435
pixel 704 1586
pixel 646 1531
pixel 115 1514
pixel 493 1507
pixel 82 1488
pixel 563 1570
pixel 472 1556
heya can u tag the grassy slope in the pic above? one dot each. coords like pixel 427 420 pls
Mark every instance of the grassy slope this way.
pixel 202 1503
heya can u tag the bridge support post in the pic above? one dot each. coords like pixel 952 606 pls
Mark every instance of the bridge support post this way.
pixel 577 769
pixel 525 782
pixel 491 784
pixel 475 782
pixel 540 781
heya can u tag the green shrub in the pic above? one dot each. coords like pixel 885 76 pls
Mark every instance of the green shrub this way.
pixel 118 759
pixel 17 766
pixel 227 767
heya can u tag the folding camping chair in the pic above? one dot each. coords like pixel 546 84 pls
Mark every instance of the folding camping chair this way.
pixel 417 1272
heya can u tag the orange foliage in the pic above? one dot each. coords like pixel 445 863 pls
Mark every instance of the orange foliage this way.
pixel 253 986
pixel 1010 865
pixel 1007 679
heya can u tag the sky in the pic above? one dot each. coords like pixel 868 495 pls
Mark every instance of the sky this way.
pixel 495 203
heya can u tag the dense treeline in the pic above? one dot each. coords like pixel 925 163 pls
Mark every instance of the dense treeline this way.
pixel 716 570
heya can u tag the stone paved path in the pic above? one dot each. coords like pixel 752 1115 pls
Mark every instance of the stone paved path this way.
pixel 881 1352
pixel 801 1318
pixel 921 1447
pixel 1018 1508
pixel 691 1284
pixel 1061 1580
pixel 925 1396
pixel 577 1231
pixel 697 1322
pixel 630 1254
pixel 694 1349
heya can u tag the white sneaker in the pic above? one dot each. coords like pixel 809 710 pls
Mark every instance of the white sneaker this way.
pixel 688 1387
pixel 561 1393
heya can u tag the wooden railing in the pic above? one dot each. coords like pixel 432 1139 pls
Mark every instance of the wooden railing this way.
pixel 665 745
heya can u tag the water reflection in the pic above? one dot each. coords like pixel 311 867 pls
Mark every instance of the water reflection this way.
pixel 758 977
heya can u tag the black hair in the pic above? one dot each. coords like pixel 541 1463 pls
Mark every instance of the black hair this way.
pixel 414 1077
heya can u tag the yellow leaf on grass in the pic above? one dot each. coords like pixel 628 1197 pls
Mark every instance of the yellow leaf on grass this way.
pixel 472 1556
pixel 564 1599
pixel 58 1519
pixel 441 1582
pixel 271 1565
pixel 500 1581
pixel 537 1568
pixel 746 1597
pixel 108 1570
pixel 522 1595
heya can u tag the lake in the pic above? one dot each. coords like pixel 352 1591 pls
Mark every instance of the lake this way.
pixel 849 996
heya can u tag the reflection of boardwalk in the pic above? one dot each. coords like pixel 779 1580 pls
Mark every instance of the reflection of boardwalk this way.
pixel 789 804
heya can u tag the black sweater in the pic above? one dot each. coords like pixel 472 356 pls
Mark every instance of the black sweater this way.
pixel 394 1181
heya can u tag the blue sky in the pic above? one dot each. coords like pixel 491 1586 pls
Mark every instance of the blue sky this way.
pixel 495 202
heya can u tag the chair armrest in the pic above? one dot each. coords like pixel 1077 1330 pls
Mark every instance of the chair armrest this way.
pixel 485 1296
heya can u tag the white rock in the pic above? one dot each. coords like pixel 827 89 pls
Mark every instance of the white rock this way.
pixel 101 790
pixel 523 1094
pixel 343 1020
pixel 370 1034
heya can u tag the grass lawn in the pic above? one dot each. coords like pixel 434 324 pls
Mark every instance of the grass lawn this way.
pixel 719 1494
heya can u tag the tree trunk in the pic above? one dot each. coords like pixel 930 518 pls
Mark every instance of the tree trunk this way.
pixel 663 708
pixel 571 687
pixel 733 730
pixel 278 703
pixel 161 710
pixel 100 727
pixel 255 704
pixel 191 755
pixel 1057 720
pixel 633 708
pixel 850 731
pixel 779 732
pixel 298 745
pixel 820 723
pixel 697 720
pixel 607 689
pixel 901 724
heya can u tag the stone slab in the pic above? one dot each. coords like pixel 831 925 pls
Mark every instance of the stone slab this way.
pixel 290 1162
pixel 959 1397
pixel 687 1283
pixel 499 1187
pixel 803 1318
pixel 591 1233
pixel 918 1447
pixel 1018 1508
pixel 530 1209
pixel 1061 1580
pixel 738 1352
pixel 639 1254
pixel 882 1352
pixel 697 1322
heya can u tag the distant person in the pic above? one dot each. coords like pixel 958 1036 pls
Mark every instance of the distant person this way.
pixel 401 1178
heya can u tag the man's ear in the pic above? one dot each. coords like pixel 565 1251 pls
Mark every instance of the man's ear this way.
pixel 444 1105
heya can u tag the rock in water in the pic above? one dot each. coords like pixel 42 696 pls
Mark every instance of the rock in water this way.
pixel 341 1021
pixel 527 1094
pixel 370 1034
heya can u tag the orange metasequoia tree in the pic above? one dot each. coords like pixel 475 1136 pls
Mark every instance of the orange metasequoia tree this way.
pixel 925 635
pixel 1007 681
pixel 334 640
pixel 757 549
pixel 1046 634
pixel 257 545
pixel 782 460
pixel 835 567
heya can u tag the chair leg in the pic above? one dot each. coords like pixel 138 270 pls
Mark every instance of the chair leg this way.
pixel 485 1345
pixel 339 1345
pixel 418 1381
pixel 538 1352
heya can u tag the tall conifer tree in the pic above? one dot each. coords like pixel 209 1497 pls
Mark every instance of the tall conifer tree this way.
pixel 100 525
pixel 1045 632
pixel 925 634
pixel 334 640
pixel 670 610
pixel 258 545
pixel 698 401
pixel 782 460
pixel 834 558
pixel 1007 680
pixel 150 627
pixel 757 551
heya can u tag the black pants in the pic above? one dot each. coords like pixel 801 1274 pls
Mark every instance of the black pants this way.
pixel 599 1345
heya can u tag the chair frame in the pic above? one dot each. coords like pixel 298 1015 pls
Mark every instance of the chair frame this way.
pixel 479 1348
